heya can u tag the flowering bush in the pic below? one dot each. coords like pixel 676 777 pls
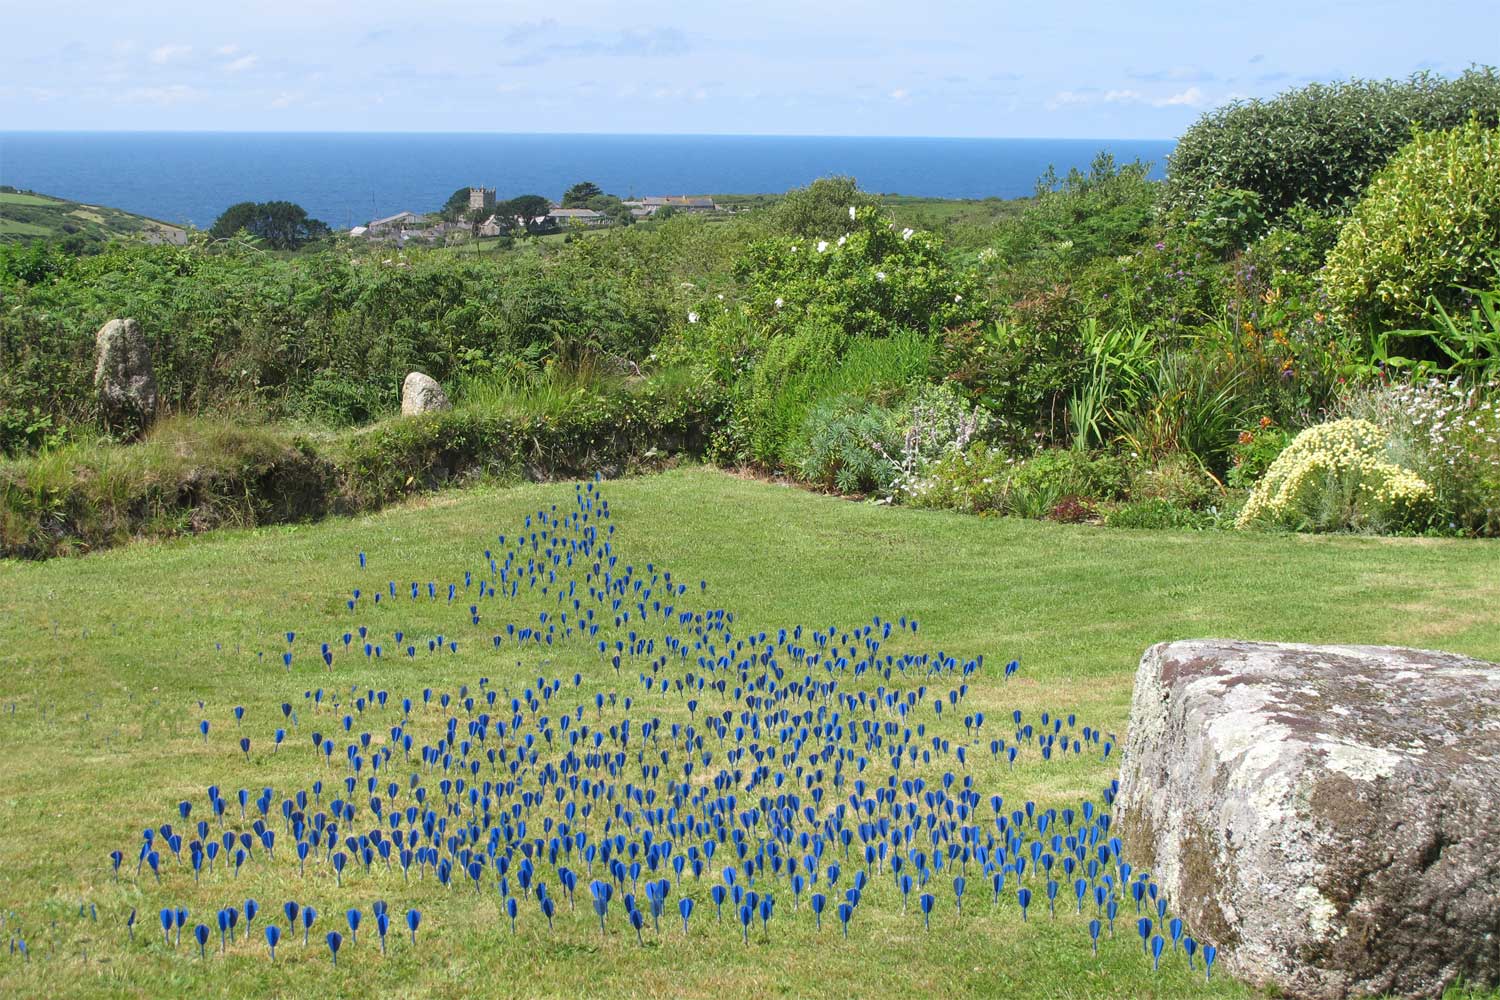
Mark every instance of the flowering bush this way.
pixel 1448 431
pixel 1338 476
pixel 872 280
pixel 979 480
pixel 969 481
pixel 936 422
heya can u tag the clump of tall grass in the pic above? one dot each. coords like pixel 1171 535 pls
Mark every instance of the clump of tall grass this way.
pixel 546 393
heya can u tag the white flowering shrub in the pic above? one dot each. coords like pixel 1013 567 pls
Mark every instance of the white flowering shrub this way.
pixel 1339 476
pixel 1448 432
pixel 871 280
pixel 937 422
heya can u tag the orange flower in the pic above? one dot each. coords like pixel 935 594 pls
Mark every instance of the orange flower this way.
pixel 1265 422
pixel 1246 437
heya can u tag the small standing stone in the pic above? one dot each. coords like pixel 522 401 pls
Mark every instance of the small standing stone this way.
pixel 123 377
pixel 422 394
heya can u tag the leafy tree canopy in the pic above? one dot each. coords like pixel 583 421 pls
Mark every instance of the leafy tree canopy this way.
pixel 282 225
pixel 521 211
pixel 580 194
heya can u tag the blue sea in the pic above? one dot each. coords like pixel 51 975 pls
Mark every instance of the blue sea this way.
pixel 349 178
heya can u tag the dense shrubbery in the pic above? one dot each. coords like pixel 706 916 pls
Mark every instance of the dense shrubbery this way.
pixel 1077 218
pixel 329 336
pixel 1448 434
pixel 1103 352
pixel 1427 229
pixel 1320 145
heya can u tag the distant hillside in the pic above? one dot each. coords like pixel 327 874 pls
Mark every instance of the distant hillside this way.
pixel 26 216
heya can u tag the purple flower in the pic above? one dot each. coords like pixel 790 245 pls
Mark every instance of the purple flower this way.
pixel 1161 246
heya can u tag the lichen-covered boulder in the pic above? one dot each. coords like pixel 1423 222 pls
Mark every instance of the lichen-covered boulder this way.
pixel 422 394
pixel 1329 816
pixel 123 376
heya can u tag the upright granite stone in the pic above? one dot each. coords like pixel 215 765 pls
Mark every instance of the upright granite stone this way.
pixel 123 376
pixel 1328 816
pixel 422 394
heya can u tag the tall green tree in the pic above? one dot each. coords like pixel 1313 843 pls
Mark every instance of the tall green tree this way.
pixel 579 195
pixel 521 211
pixel 282 225
pixel 456 206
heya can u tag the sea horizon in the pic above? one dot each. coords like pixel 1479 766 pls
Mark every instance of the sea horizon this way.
pixel 348 177
pixel 498 132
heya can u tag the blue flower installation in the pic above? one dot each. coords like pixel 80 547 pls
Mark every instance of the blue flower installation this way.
pixel 838 763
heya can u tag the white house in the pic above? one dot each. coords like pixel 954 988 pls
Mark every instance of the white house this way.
pixel 565 217
pixel 398 221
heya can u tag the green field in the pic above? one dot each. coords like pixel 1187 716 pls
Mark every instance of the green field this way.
pixel 104 661
pixel 27 200
pixel 26 215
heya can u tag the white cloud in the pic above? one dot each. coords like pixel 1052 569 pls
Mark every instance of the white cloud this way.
pixel 287 98
pixel 1122 97
pixel 240 65
pixel 177 93
pixel 1069 99
pixel 900 94
pixel 1190 98
pixel 166 53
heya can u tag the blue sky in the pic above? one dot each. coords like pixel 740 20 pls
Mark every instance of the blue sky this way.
pixel 1085 69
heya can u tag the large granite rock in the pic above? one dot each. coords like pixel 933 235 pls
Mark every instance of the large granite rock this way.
pixel 123 376
pixel 1329 816
pixel 422 394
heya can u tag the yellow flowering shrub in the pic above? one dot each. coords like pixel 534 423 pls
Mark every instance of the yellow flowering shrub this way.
pixel 1337 476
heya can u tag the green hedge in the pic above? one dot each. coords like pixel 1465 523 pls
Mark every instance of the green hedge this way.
pixel 1318 145
pixel 195 475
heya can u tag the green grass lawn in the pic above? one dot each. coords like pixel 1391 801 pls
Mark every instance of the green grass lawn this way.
pixel 104 661
pixel 29 200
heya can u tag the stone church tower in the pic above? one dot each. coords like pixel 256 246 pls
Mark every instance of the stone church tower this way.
pixel 482 199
